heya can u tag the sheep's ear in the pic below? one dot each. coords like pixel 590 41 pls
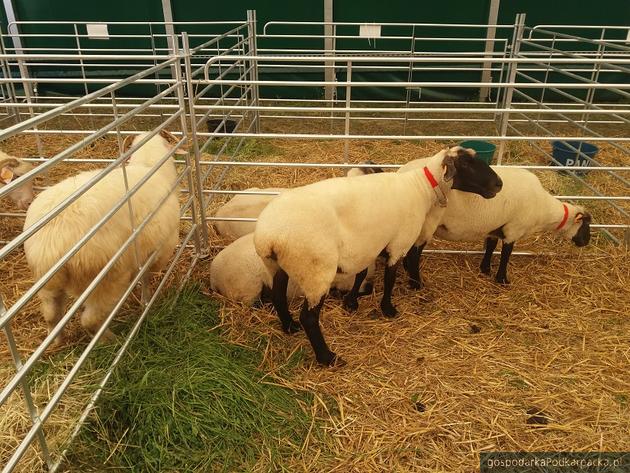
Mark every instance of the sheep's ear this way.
pixel 172 140
pixel 6 174
pixel 168 136
pixel 449 167
pixel 373 169
pixel 582 217
pixel 127 142
pixel 10 163
pixel 370 170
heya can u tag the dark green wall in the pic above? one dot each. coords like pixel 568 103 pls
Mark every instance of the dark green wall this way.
pixel 568 12
pixel 82 10
pixel 614 12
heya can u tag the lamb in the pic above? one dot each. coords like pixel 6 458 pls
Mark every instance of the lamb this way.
pixel 250 206
pixel 238 273
pixel 523 208
pixel 243 206
pixel 10 169
pixel 53 240
pixel 311 233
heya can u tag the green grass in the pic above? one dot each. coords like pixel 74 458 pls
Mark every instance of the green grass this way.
pixel 184 399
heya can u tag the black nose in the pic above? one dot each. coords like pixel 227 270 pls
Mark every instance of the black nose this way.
pixel 499 184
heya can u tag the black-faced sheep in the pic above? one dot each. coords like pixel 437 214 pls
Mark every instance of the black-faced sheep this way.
pixel 311 233
pixel 521 209
pixel 238 273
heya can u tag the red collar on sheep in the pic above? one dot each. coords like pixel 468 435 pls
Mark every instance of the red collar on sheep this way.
pixel 565 217
pixel 436 187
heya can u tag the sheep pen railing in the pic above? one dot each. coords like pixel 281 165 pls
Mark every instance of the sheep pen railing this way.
pixel 62 135
pixel 254 113
pixel 539 86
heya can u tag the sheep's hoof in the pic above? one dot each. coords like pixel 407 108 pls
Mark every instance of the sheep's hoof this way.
pixel 58 341
pixel 485 269
pixel 502 280
pixel 350 303
pixel 413 284
pixel 336 293
pixel 332 360
pixel 257 304
pixel 389 310
pixel 107 337
pixel 292 327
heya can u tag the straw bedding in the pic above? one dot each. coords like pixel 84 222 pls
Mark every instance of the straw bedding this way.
pixel 457 372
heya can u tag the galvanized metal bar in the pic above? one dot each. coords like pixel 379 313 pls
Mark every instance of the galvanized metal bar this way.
pixel 26 389
pixel 329 48
pixel 486 76
pixel 198 183
pixel 26 124
pixel 252 53
pixel 346 146
pixel 10 313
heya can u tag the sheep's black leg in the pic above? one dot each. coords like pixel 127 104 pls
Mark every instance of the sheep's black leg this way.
pixel 309 318
pixel 506 251
pixel 280 302
pixel 411 263
pixel 491 244
pixel 350 302
pixel 367 290
pixel 390 279
pixel 265 297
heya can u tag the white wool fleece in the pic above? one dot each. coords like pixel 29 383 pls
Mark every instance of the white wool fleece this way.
pixel 522 208
pixel 243 206
pixel 238 273
pixel 250 206
pixel 53 240
pixel 344 223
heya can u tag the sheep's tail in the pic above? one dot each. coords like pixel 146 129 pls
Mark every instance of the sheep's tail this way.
pixel 268 249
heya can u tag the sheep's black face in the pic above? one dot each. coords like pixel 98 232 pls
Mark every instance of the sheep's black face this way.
pixel 473 175
pixel 583 234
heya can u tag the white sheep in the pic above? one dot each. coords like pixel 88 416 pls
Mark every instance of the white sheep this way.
pixel 243 206
pixel 250 206
pixel 311 233
pixel 238 273
pixel 10 169
pixel 521 209
pixel 52 241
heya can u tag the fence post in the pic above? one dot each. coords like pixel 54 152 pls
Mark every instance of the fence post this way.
pixel 346 148
pixel 486 74
pixel 507 101
pixel 329 50
pixel 253 51
pixel 195 185
pixel 26 389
